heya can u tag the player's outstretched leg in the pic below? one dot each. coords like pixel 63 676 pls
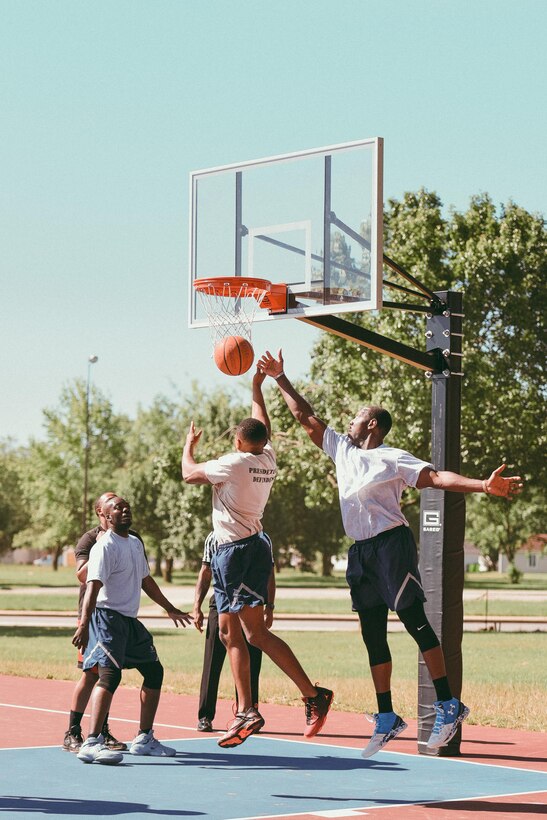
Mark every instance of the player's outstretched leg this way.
pixel 449 715
pixel 387 726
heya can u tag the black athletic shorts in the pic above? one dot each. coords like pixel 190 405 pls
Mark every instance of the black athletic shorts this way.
pixel 118 641
pixel 241 571
pixel 384 570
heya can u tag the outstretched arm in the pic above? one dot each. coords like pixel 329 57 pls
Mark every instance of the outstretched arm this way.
pixel 258 408
pixel 192 472
pixel 297 404
pixel 154 592
pixel 494 485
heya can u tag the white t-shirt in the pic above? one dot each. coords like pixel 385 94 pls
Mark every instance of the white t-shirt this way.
pixel 370 484
pixel 241 487
pixel 121 565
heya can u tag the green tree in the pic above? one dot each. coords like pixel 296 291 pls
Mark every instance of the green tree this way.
pixel 14 514
pixel 52 478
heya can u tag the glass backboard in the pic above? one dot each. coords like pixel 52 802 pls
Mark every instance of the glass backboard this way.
pixel 311 220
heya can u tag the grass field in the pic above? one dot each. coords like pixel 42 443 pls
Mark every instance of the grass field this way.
pixel 504 674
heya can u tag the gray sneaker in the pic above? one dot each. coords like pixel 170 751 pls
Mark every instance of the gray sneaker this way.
pixel 93 750
pixel 146 744
pixel 387 725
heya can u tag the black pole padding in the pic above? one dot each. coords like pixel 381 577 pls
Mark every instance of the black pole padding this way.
pixel 442 521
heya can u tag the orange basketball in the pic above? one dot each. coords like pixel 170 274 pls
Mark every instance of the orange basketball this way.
pixel 233 355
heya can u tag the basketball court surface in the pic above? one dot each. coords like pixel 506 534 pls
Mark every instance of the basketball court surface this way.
pixel 275 774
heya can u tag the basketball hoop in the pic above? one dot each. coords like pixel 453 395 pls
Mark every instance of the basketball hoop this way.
pixel 232 302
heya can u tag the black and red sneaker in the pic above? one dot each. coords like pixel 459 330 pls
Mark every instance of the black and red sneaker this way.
pixel 317 709
pixel 245 724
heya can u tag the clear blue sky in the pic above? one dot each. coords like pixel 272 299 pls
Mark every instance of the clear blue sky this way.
pixel 106 106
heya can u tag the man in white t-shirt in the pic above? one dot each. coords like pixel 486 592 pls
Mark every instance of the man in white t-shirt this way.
pixel 242 564
pixel 382 563
pixel 112 636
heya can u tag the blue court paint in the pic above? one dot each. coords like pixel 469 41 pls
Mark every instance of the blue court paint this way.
pixel 262 777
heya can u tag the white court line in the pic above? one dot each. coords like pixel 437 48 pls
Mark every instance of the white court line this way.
pixel 367 809
pixel 110 717
pixel 57 746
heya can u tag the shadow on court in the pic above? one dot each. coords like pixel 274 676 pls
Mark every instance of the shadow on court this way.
pixel 482 806
pixel 265 762
pixel 57 807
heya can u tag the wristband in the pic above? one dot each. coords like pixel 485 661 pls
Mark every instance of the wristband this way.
pixel 270 606
pixel 278 377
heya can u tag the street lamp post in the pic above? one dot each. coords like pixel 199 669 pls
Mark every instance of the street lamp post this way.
pixel 91 360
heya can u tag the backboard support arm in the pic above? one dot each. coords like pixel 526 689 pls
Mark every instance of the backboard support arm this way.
pixel 431 361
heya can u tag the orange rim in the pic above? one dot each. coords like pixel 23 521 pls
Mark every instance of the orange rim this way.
pixel 232 285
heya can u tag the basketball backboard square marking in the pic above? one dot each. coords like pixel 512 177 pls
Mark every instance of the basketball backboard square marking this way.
pixel 265 234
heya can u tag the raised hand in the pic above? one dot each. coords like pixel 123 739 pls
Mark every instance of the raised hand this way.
pixel 193 435
pixel 271 366
pixel 504 487
pixel 258 377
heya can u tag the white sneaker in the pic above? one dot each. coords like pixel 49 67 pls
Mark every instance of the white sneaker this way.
pixel 93 750
pixel 146 744
pixel 387 726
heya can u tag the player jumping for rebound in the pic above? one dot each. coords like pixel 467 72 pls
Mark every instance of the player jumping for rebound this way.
pixel 382 563
pixel 241 566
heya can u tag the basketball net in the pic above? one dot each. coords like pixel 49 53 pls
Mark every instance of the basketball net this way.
pixel 230 307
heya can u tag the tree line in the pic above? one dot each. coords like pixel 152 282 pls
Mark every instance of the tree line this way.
pixel 496 256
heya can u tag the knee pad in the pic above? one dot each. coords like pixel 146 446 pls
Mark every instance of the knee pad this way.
pixel 109 678
pixel 416 624
pixel 374 632
pixel 152 674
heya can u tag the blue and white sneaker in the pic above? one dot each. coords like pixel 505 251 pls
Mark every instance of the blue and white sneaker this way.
pixel 450 714
pixel 388 726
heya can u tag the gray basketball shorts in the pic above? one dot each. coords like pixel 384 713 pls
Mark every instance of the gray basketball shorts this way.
pixel 118 641
pixel 384 570
pixel 241 571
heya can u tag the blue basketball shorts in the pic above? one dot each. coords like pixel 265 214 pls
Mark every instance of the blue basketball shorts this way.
pixel 117 641
pixel 241 571
pixel 384 570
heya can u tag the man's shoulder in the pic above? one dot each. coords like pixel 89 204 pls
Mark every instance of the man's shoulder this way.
pixel 87 540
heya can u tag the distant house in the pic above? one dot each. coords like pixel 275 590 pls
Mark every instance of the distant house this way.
pixel 531 557
pixel 473 558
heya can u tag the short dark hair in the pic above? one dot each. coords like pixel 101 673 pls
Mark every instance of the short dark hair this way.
pixel 383 418
pixel 252 430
